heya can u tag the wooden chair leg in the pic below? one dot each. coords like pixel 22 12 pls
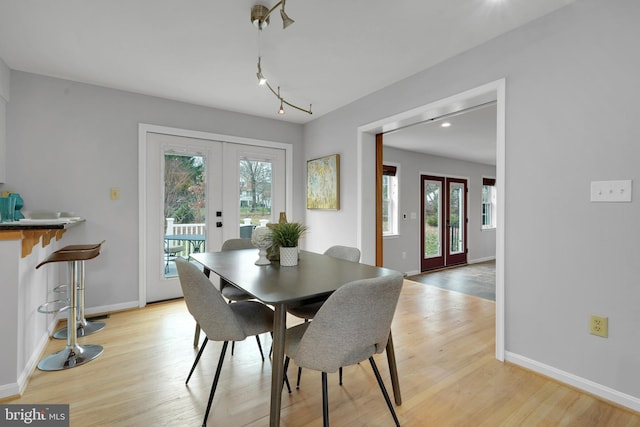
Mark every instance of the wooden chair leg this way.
pixel 196 336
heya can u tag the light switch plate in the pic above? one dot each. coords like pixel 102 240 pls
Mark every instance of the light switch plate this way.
pixel 611 191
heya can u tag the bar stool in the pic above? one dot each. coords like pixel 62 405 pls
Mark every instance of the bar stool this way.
pixel 73 354
pixel 83 326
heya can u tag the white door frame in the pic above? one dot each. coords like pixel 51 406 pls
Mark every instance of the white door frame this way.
pixel 143 130
pixel 493 91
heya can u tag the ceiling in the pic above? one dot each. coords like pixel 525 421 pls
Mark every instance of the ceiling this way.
pixel 204 52
pixel 470 136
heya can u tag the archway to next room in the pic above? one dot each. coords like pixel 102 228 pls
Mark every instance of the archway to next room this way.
pixel 370 170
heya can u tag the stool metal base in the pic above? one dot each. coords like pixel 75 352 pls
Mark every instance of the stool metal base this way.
pixel 82 330
pixel 70 357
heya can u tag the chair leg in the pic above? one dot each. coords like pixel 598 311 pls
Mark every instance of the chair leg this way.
pixel 233 347
pixel 195 362
pixel 340 374
pixel 384 390
pixel 196 335
pixel 215 383
pixel 298 380
pixel 286 378
pixel 260 347
pixel 325 401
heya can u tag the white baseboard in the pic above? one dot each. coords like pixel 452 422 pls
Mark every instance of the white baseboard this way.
pixel 583 384
pixel 111 308
pixel 479 260
pixel 412 273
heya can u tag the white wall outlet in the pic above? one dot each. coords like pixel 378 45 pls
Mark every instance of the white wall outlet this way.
pixel 611 191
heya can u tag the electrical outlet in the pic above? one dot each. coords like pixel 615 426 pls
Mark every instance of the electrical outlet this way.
pixel 599 326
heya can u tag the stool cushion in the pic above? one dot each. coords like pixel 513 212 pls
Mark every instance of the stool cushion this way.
pixel 69 256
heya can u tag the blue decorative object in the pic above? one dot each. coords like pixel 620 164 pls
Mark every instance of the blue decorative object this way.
pixel 19 204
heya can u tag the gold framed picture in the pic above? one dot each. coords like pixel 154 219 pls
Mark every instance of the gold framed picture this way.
pixel 323 183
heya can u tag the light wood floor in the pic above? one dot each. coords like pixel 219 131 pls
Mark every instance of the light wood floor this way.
pixel 444 344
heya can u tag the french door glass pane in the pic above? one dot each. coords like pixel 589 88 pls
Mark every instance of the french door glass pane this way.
pixel 456 216
pixel 431 217
pixel 184 204
pixel 255 194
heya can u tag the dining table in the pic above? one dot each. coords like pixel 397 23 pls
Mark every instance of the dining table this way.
pixel 315 276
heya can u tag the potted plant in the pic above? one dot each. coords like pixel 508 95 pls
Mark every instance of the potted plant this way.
pixel 286 236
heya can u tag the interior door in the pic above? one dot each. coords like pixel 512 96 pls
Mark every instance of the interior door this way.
pixel 165 151
pixel 443 225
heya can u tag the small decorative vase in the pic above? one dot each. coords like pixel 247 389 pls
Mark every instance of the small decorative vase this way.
pixel 288 257
pixel 261 239
pixel 19 204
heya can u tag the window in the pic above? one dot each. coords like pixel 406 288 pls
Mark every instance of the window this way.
pixel 389 200
pixel 489 203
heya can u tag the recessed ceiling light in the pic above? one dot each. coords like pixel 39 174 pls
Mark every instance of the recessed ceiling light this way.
pixel 445 124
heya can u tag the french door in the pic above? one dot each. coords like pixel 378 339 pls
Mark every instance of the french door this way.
pixel 207 191
pixel 444 220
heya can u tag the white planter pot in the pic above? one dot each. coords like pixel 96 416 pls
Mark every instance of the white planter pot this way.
pixel 288 257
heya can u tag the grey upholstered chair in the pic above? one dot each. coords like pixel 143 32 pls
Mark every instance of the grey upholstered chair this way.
pixel 220 321
pixel 308 310
pixel 352 325
pixel 229 291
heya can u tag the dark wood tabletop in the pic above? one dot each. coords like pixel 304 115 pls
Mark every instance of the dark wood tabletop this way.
pixel 316 274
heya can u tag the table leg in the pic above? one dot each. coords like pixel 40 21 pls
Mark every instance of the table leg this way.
pixel 277 369
pixel 393 370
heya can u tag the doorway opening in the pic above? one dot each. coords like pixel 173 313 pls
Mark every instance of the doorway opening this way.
pixel 367 149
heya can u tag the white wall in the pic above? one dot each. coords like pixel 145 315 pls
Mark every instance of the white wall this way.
pixel 571 117
pixel 481 243
pixel 69 143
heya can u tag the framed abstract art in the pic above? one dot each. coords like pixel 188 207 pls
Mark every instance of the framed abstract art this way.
pixel 323 183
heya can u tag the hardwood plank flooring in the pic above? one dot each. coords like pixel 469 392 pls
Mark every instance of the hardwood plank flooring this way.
pixel 444 345
pixel 472 279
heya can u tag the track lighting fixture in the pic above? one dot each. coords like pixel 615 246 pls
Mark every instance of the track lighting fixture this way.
pixel 262 81
pixel 260 15
pixel 260 18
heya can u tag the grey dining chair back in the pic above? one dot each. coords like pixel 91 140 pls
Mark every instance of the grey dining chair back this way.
pixel 220 321
pixel 229 291
pixel 344 252
pixel 352 325
pixel 307 311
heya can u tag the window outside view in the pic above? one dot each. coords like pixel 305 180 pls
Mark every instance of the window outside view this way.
pixel 255 194
pixel 184 208
pixel 431 217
